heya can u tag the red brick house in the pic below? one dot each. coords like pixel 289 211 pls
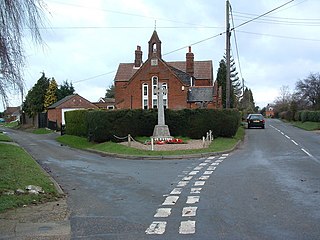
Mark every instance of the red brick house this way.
pixel 189 83
pixel 72 102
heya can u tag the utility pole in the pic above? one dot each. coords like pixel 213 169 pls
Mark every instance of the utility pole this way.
pixel 228 35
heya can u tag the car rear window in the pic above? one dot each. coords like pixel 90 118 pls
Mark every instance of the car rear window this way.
pixel 259 117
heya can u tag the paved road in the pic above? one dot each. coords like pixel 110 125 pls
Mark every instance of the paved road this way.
pixel 267 189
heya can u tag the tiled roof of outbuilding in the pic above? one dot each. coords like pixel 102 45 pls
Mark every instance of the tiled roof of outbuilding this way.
pixel 200 94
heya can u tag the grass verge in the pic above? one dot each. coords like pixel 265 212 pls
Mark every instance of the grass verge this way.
pixel 42 131
pixel 18 170
pixel 309 126
pixel 218 145
pixel 4 138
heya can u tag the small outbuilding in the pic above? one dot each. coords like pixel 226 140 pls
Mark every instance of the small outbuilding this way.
pixel 69 103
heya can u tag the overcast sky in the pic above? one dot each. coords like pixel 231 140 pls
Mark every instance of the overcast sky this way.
pixel 86 41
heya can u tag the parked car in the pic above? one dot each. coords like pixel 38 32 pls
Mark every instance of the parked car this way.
pixel 256 120
pixel 2 120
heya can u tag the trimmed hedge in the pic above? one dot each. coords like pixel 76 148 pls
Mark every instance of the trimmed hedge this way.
pixel 310 116
pixel 101 126
pixel 77 123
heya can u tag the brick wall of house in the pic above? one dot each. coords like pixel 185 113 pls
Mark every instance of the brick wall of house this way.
pixel 55 115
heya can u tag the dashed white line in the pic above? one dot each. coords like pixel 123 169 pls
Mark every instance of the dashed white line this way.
pixel 199 183
pixel 294 142
pixel 170 200
pixel 206 177
pixel 193 172
pixel 193 199
pixel 212 157
pixel 176 191
pixel 182 183
pixel 203 164
pixel 215 164
pixel 187 227
pixel 287 136
pixel 211 168
pixel 187 178
pixel 306 152
pixel 198 168
pixel 195 190
pixel 207 161
pixel 163 212
pixel 219 161
pixel 208 172
pixel 157 228
pixel 189 211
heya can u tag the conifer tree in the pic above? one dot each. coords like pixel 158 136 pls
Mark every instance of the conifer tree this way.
pixel 51 94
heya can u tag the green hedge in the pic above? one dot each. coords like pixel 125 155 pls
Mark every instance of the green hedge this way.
pixel 310 116
pixel 77 123
pixel 101 126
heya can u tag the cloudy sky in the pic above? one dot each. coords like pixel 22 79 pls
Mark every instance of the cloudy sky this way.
pixel 86 40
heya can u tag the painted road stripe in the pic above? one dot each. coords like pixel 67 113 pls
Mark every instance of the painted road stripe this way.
pixel 204 177
pixel 294 142
pixel 193 172
pixel 176 191
pixel 195 190
pixel 189 211
pixel 207 161
pixel 187 178
pixel 215 164
pixel 208 172
pixel 182 183
pixel 163 212
pixel 198 168
pixel 170 200
pixel 306 152
pixel 157 228
pixel 212 157
pixel 193 199
pixel 187 227
pixel 225 155
pixel 211 168
pixel 219 161
pixel 203 164
pixel 199 183
pixel 287 136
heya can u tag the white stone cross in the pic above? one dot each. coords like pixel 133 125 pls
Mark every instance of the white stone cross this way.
pixel 160 92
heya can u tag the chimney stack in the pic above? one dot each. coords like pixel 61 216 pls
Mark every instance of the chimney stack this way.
pixel 138 57
pixel 190 62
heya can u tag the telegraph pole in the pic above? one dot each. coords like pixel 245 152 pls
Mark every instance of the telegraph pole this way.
pixel 228 35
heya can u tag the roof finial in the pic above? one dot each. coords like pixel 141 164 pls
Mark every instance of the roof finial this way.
pixel 155 25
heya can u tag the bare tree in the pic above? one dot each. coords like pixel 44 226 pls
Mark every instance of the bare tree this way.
pixel 308 90
pixel 16 16
pixel 282 102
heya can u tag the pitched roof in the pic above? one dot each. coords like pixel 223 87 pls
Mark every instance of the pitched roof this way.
pixel 63 100
pixel 184 77
pixel 200 94
pixel 202 70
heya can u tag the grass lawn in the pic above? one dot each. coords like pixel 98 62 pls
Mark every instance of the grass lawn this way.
pixel 14 124
pixel 18 170
pixel 42 131
pixel 218 144
pixel 309 126
pixel 4 138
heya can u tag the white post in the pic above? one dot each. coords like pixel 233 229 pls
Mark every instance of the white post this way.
pixel 210 134
pixel 129 140
pixel 203 142
pixel 151 143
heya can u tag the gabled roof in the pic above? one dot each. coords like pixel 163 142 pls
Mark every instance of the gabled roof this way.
pixel 184 77
pixel 200 94
pixel 63 100
pixel 202 70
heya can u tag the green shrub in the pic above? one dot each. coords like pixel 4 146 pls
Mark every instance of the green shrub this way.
pixel 76 123
pixel 310 116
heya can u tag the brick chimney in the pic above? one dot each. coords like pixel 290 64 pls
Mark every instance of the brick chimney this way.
pixel 138 57
pixel 190 62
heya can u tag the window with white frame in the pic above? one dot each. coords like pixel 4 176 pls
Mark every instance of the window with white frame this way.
pixel 154 92
pixel 165 96
pixel 145 96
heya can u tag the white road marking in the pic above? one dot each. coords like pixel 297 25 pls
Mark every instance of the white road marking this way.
pixel 187 178
pixel 193 172
pixel 294 142
pixel 211 168
pixel 189 211
pixel 193 199
pixel 215 164
pixel 176 191
pixel 306 152
pixel 219 161
pixel 287 136
pixel 207 161
pixel 163 212
pixel 203 164
pixel 195 190
pixel 182 183
pixel 170 200
pixel 212 157
pixel 187 227
pixel 199 183
pixel 157 228
pixel 208 172
pixel 198 168
pixel 204 177
pixel 225 155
